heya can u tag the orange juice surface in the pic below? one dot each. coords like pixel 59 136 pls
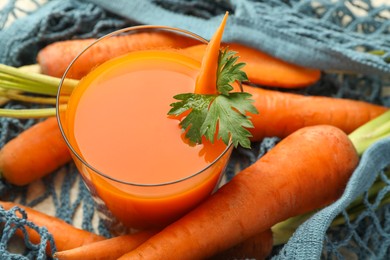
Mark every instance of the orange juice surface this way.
pixel 117 122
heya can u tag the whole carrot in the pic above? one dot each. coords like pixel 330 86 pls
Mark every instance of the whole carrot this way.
pixel 34 153
pixel 263 69
pixel 257 247
pixel 65 235
pixel 289 180
pixel 106 249
pixel 280 113
pixel 56 57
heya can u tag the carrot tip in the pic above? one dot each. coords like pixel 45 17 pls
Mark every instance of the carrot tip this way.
pixel 207 78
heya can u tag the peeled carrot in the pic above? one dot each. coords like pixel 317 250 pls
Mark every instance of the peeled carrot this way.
pixel 56 57
pixel 106 249
pixel 65 235
pixel 34 153
pixel 280 114
pixel 289 180
pixel 207 78
pixel 263 69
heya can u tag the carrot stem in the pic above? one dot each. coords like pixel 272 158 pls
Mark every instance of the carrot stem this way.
pixel 282 231
pixel 27 113
pixel 32 82
pixel 24 79
pixel 16 95
pixel 371 132
pixel 12 83
pixel 285 229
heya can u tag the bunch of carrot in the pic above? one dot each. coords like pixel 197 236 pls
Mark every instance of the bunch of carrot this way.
pixel 75 243
pixel 288 181
pixel 257 198
pixel 280 114
pixel 18 83
pixel 269 191
pixel 240 214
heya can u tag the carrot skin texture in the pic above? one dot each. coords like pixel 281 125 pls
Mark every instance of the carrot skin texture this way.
pixel 65 235
pixel 108 249
pixel 34 153
pixel 56 57
pixel 68 50
pixel 289 180
pixel 257 247
pixel 280 114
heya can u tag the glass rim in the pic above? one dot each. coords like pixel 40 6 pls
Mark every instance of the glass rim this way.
pixel 79 157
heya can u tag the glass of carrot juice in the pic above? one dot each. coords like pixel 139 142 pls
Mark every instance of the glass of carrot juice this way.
pixel 134 158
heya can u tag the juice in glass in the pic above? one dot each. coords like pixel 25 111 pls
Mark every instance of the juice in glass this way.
pixel 133 157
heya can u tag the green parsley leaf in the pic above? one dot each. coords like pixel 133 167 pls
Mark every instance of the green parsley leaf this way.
pixel 227 114
pixel 222 115
pixel 199 105
pixel 229 71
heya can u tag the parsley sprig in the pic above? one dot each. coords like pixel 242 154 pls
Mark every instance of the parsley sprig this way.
pixel 221 115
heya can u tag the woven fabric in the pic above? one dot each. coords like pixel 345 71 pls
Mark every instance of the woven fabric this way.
pixel 54 21
pixel 322 34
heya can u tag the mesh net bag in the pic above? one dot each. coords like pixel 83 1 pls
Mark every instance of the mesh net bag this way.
pixel 348 40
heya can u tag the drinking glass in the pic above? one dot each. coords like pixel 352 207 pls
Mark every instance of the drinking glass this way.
pixel 128 205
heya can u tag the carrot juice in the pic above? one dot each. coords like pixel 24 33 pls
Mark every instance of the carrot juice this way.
pixel 131 154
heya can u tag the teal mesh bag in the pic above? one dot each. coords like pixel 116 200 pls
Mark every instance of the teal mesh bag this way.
pixel 348 40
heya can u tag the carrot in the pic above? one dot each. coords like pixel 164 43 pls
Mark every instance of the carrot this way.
pixel 264 69
pixel 261 68
pixel 65 235
pixel 257 247
pixel 281 113
pixel 287 181
pixel 106 249
pixel 207 78
pixel 56 57
pixel 34 153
